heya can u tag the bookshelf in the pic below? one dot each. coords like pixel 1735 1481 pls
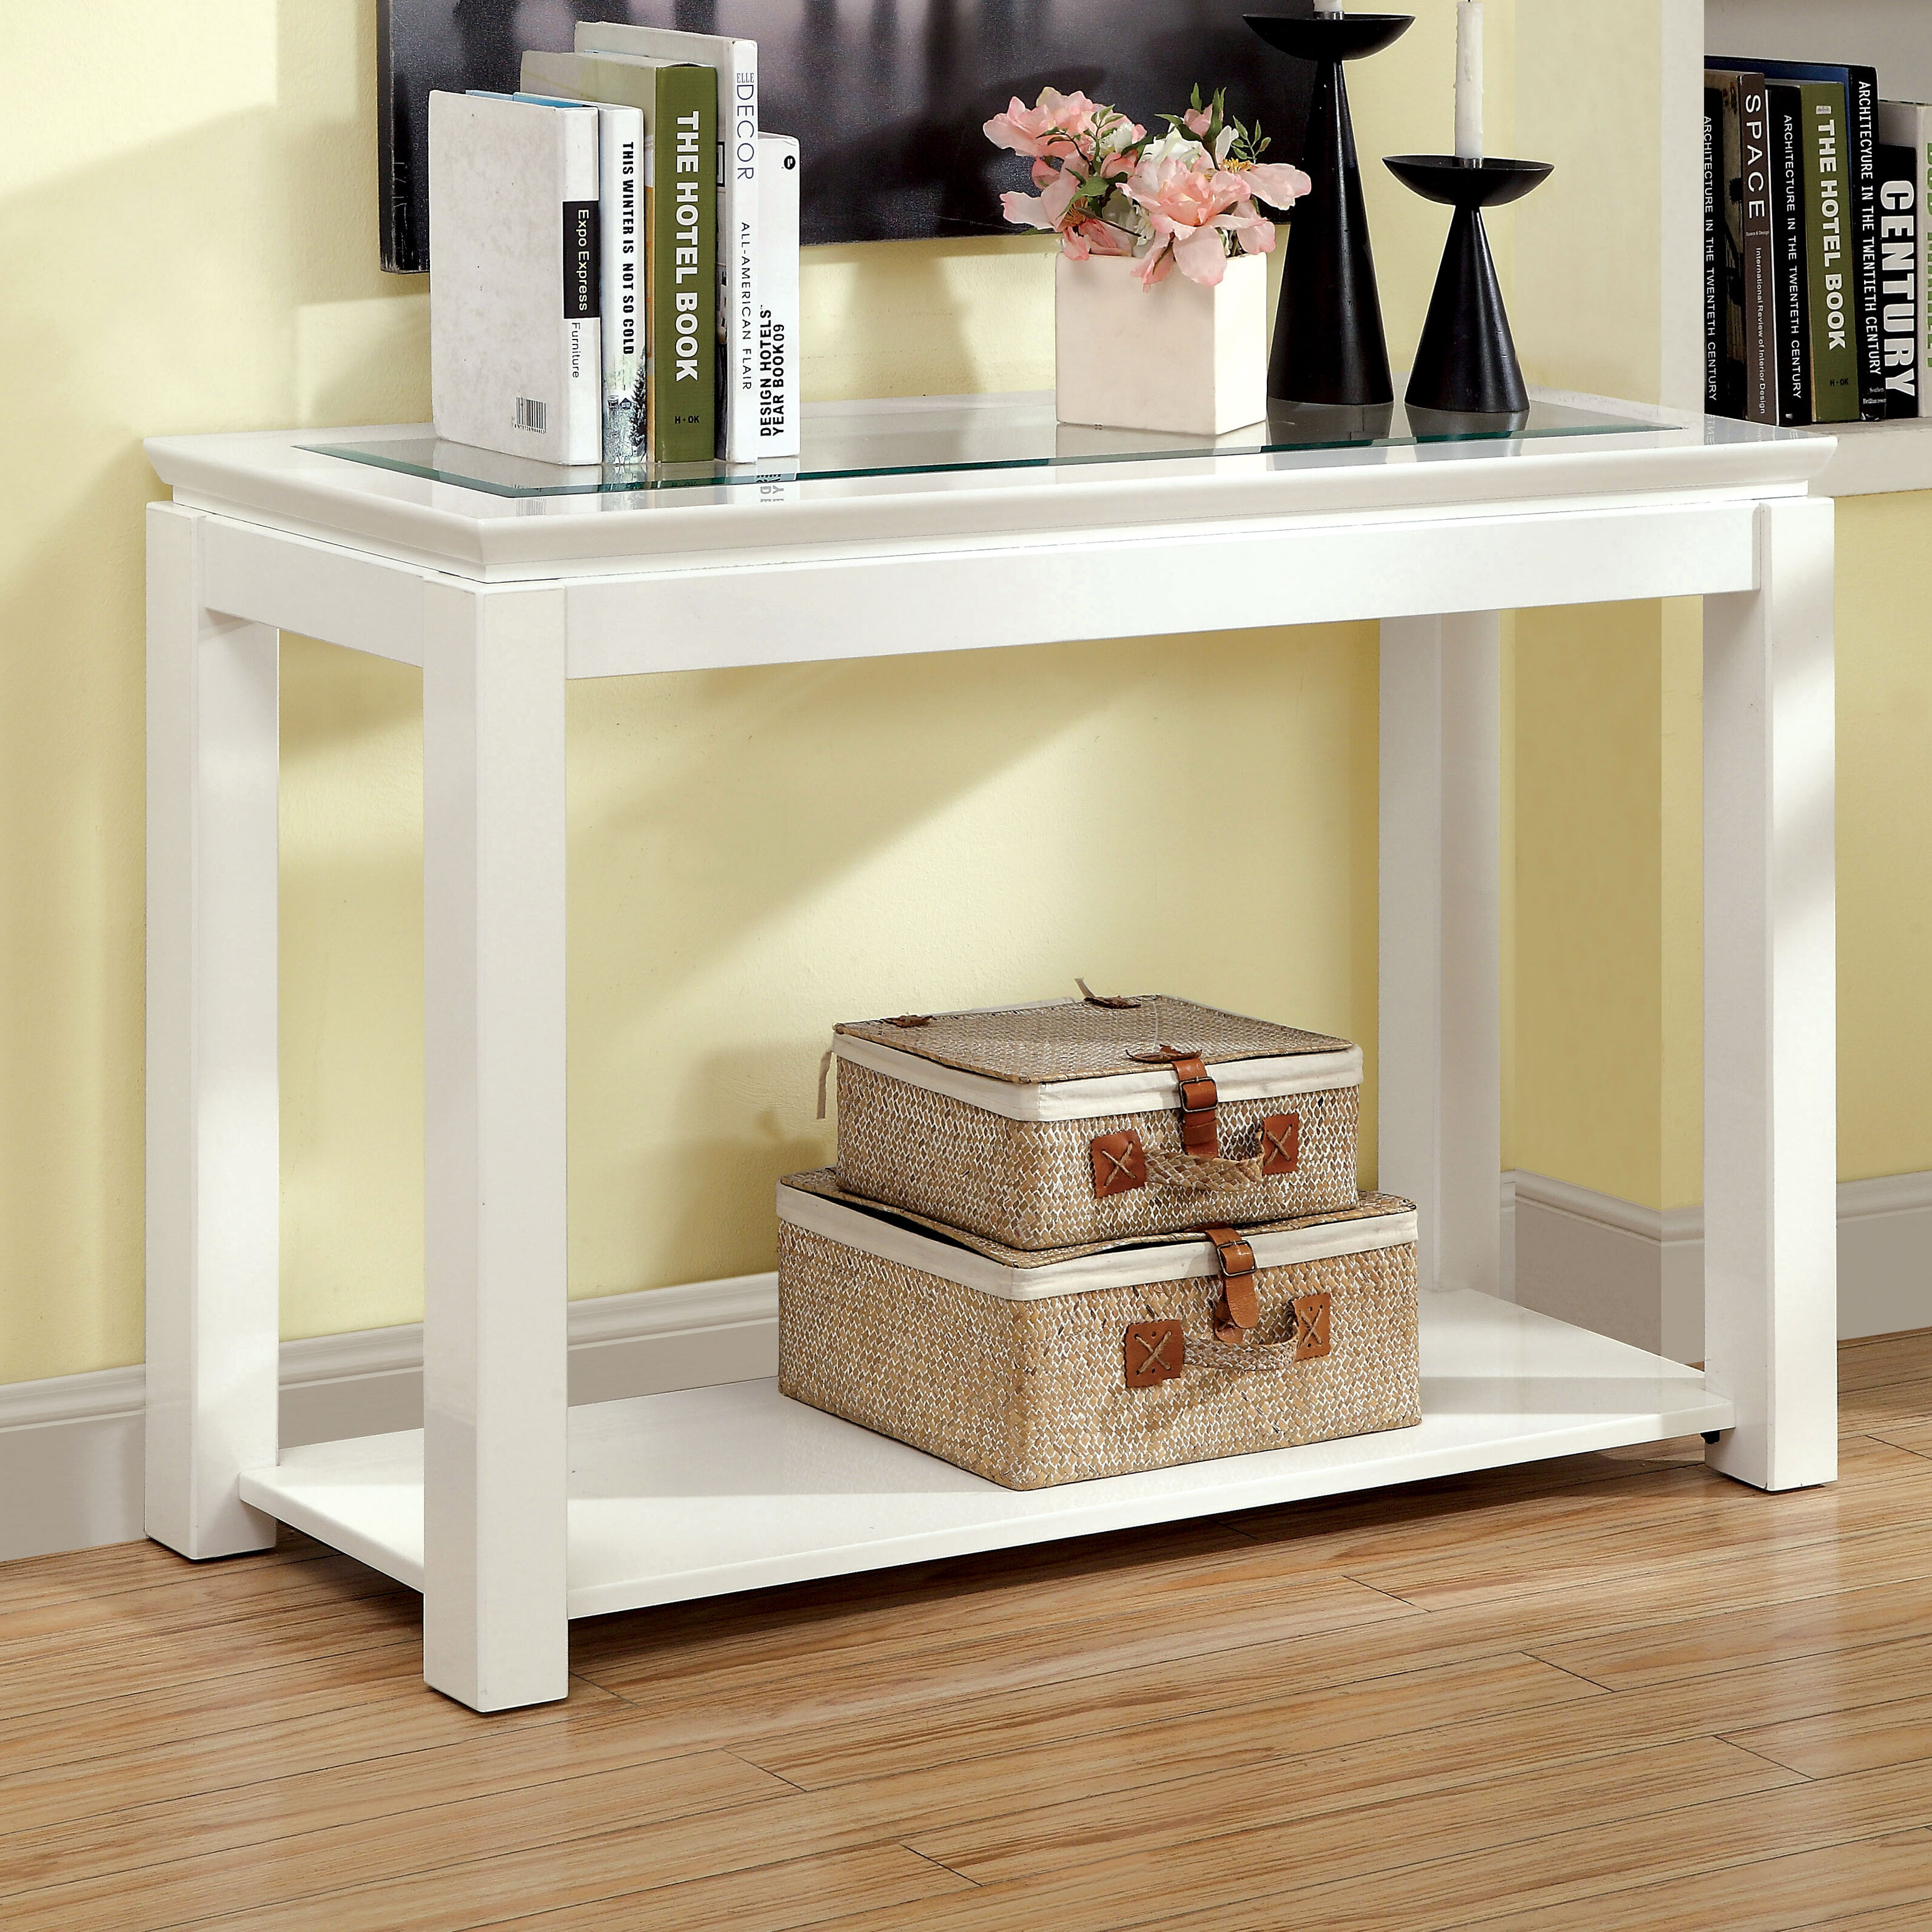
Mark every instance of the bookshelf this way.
pixel 1893 36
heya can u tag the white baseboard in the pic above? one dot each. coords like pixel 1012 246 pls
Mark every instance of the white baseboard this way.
pixel 1638 1273
pixel 70 1472
pixel 71 1447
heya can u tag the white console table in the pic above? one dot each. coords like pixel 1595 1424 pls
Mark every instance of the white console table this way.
pixel 513 1513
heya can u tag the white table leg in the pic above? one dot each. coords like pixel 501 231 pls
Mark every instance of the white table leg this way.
pixel 213 1147
pixel 1439 1051
pixel 1771 1008
pixel 496 1632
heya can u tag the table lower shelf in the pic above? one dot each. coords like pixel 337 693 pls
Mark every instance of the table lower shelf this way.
pixel 707 1491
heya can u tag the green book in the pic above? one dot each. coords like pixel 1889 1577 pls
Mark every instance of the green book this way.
pixel 1831 223
pixel 679 104
pixel 683 223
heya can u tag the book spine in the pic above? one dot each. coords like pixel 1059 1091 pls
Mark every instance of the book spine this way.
pixel 1899 247
pixel 1713 309
pixel 740 215
pixel 1787 209
pixel 1731 382
pixel 1760 331
pixel 621 230
pixel 402 250
pixel 778 376
pixel 1921 146
pixel 683 406
pixel 1828 255
pixel 736 64
pixel 1908 125
pixel 1861 122
pixel 583 332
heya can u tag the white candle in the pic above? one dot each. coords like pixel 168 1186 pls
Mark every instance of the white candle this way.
pixel 1469 79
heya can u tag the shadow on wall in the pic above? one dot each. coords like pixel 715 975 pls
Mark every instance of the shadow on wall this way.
pixel 756 854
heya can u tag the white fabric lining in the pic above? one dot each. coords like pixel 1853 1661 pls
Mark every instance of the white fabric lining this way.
pixel 1119 1267
pixel 1154 1092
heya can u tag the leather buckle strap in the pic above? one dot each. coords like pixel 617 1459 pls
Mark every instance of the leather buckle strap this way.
pixel 1237 1312
pixel 1200 1098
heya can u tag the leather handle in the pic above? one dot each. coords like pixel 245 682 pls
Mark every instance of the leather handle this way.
pixel 1123 1161
pixel 1153 1352
pixel 1309 1343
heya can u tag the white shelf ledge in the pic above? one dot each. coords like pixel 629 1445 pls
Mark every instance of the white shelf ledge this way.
pixel 1874 458
pixel 707 1491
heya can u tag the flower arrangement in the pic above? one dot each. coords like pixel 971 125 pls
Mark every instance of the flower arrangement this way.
pixel 1184 199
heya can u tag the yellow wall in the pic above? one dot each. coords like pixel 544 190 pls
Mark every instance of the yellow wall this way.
pixel 1604 1019
pixel 755 853
pixel 1607 997
pixel 1884 835
pixel 1584 319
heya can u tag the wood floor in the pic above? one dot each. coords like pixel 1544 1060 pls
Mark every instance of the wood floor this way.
pixel 1614 1692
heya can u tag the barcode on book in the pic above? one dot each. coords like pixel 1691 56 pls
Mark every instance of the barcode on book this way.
pixel 531 414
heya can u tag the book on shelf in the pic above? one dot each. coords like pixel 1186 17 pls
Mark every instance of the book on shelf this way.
pixel 1829 254
pixel 1748 372
pixel 1747 356
pixel 1714 300
pixel 1905 181
pixel 515 341
pixel 678 101
pixel 736 64
pixel 623 175
pixel 1857 174
pixel 777 392
pixel 1791 290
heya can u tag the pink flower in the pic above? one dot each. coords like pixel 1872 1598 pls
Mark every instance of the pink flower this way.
pixel 1187 201
pixel 1256 237
pixel 1054 126
pixel 1197 209
pixel 1047 208
pixel 1093 236
pixel 1274 182
pixel 1199 120
pixel 1079 150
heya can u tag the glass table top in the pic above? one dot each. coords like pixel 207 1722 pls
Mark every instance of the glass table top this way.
pixel 931 437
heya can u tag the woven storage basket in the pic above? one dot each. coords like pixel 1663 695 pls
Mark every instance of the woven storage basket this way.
pixel 1020 1366
pixel 1050 1125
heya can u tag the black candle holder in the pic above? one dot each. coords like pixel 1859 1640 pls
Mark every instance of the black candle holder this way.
pixel 1466 370
pixel 1329 347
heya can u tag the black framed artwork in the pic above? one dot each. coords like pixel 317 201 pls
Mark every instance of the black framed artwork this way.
pixel 887 97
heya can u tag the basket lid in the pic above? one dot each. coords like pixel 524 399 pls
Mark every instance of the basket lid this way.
pixel 1086 1039
pixel 816 1202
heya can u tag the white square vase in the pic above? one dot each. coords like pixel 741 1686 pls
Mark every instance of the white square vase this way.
pixel 1176 357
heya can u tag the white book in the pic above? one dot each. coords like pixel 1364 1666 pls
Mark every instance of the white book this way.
pixel 736 64
pixel 1905 124
pixel 515 344
pixel 778 384
pixel 623 175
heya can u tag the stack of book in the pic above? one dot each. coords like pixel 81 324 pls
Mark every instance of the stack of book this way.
pixel 1816 241
pixel 616 251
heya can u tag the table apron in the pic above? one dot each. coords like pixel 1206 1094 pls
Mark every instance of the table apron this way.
pixel 981 595
pixel 1152 586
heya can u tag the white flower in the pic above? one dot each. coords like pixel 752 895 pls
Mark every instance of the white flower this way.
pixel 1174 145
